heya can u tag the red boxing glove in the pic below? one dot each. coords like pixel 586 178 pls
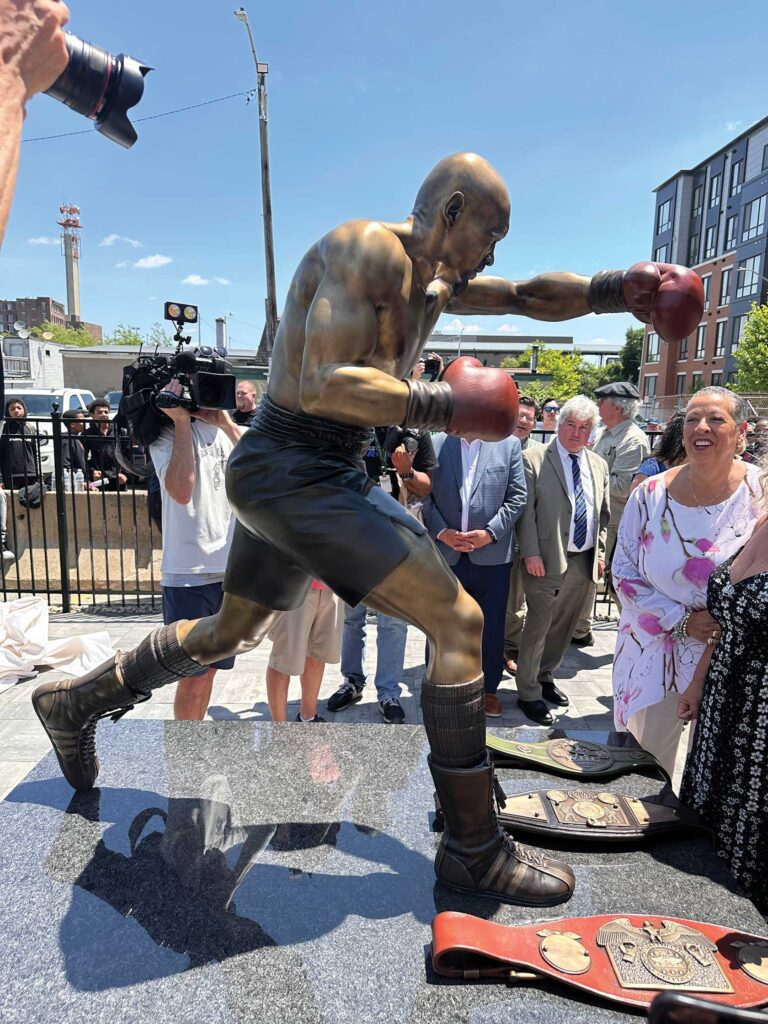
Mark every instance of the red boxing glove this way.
pixel 485 400
pixel 669 297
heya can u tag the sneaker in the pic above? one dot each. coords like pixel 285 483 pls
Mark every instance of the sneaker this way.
pixel 392 711
pixel 309 721
pixel 346 695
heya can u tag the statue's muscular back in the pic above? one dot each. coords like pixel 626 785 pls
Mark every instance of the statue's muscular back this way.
pixel 354 300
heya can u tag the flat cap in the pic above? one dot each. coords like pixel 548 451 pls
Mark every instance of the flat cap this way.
pixel 618 389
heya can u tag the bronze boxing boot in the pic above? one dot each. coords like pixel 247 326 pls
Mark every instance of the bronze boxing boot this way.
pixel 69 712
pixel 476 855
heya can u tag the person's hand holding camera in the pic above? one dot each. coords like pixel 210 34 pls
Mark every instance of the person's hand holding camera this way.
pixel 33 52
pixel 402 460
pixel 177 413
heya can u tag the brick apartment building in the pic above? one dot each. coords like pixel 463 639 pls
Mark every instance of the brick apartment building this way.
pixel 711 218
pixel 35 312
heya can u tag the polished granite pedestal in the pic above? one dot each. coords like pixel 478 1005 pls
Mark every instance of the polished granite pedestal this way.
pixel 230 872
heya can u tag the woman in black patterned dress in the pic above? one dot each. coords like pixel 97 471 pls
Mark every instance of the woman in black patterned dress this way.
pixel 726 776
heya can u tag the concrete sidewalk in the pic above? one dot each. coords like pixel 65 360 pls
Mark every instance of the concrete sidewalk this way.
pixel 585 675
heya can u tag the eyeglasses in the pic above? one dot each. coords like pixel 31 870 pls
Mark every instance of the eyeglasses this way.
pixel 551 408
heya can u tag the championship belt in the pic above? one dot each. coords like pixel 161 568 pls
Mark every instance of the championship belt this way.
pixel 567 756
pixel 590 815
pixel 622 959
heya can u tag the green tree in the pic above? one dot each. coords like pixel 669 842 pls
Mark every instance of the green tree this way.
pixel 64 335
pixel 561 367
pixel 631 355
pixel 125 335
pixel 751 355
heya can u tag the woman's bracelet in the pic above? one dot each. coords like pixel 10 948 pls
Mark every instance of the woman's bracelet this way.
pixel 680 631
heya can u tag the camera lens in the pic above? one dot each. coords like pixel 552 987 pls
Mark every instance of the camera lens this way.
pixel 101 87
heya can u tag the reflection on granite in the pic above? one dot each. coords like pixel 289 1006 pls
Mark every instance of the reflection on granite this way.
pixel 230 872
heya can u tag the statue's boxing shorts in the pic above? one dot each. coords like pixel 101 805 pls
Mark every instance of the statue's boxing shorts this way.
pixel 306 509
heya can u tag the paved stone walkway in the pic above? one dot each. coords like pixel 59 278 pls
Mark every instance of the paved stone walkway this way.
pixel 241 694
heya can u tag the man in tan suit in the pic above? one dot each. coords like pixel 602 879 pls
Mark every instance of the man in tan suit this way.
pixel 562 535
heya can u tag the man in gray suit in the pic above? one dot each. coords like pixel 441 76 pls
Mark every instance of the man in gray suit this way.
pixel 562 534
pixel 478 493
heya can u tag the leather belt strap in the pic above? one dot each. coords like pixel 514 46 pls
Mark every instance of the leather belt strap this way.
pixel 626 960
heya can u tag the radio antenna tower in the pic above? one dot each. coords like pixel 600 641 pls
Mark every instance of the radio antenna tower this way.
pixel 70 247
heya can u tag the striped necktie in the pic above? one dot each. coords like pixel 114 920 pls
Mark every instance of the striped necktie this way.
pixel 580 505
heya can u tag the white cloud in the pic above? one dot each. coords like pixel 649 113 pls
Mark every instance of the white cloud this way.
pixel 123 263
pixel 150 262
pixel 111 239
pixel 508 329
pixel 222 280
pixel 195 279
pixel 472 329
pixel 43 240
pixel 733 126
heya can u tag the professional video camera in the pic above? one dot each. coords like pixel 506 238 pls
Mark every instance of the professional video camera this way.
pixel 204 374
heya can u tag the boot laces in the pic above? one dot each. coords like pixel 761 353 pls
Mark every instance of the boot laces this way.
pixel 527 854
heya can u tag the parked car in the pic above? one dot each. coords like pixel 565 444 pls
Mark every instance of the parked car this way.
pixel 113 397
pixel 39 403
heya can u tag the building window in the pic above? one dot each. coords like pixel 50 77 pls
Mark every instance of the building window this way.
pixel 664 217
pixel 701 341
pixel 720 338
pixel 736 169
pixel 661 254
pixel 717 378
pixel 683 351
pixel 653 348
pixel 754 219
pixel 710 242
pixel 747 277
pixel 698 199
pixel 697 382
pixel 725 287
pixel 714 191
pixel 706 281
pixel 649 389
pixel 680 384
pixel 738 331
pixel 765 158
pixel 693 250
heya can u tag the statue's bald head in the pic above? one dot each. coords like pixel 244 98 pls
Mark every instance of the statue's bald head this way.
pixel 467 173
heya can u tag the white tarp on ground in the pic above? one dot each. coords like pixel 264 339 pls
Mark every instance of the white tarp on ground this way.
pixel 24 643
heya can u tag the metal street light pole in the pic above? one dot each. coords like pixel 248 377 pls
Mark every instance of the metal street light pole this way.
pixel 266 194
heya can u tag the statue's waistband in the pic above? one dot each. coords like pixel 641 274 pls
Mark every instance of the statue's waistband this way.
pixel 285 425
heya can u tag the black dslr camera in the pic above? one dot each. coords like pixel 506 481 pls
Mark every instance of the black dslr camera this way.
pixel 101 87
pixel 404 436
pixel 204 374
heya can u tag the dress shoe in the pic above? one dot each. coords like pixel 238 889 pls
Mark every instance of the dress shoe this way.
pixel 584 641
pixel 536 710
pixel 476 856
pixel 493 708
pixel 550 693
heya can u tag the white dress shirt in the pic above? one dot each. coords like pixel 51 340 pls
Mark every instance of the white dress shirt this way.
pixel 469 453
pixel 589 494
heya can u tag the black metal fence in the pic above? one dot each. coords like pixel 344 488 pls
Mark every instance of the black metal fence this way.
pixel 89 543
pixel 98 546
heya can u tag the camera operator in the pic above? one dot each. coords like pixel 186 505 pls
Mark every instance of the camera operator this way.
pixel 32 56
pixel 400 461
pixel 190 457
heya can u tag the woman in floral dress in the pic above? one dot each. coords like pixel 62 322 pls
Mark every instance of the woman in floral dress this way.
pixel 677 528
pixel 726 776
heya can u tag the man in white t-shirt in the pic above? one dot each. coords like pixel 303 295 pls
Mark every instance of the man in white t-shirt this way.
pixel 190 459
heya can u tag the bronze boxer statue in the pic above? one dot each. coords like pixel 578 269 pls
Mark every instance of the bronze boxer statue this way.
pixel 361 305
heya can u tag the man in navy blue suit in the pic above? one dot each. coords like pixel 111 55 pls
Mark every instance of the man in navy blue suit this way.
pixel 478 492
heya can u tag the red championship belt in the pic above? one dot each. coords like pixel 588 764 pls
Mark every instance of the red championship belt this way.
pixel 626 960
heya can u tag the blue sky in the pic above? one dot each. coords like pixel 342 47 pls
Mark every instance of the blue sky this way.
pixel 584 107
